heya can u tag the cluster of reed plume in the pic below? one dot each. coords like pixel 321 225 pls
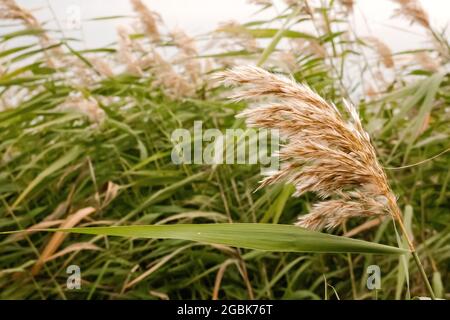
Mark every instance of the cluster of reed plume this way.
pixel 183 75
pixel 178 77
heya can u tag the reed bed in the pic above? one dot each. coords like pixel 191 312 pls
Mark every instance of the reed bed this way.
pixel 85 141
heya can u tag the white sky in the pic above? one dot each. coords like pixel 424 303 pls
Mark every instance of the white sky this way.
pixel 200 16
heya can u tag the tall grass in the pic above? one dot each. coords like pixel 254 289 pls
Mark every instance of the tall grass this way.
pixel 85 141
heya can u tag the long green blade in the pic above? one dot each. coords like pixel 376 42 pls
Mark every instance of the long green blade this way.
pixel 267 237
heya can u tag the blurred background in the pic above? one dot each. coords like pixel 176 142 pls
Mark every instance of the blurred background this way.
pixel 198 17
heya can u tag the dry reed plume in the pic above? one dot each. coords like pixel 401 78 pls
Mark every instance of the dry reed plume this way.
pixel 147 18
pixel 87 106
pixel 427 62
pixel 10 10
pixel 324 153
pixel 187 55
pixel 383 51
pixel 348 4
pixel 413 10
pixel 125 51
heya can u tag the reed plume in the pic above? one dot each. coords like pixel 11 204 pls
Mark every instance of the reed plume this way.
pixel 10 10
pixel 101 66
pixel 427 62
pixel 382 50
pixel 125 51
pixel 413 10
pixel 187 55
pixel 348 5
pixel 174 85
pixel 75 102
pixel 325 153
pixel 147 18
pixel 308 46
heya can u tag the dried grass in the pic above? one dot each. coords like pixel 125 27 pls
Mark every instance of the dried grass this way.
pixel 10 10
pixel 348 4
pixel 325 153
pixel 148 19
pixel 427 62
pixel 87 106
pixel 187 55
pixel 59 237
pixel 383 51
pixel 413 10
pixel 125 51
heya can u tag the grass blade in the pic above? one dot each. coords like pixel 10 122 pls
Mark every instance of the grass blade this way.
pixel 267 237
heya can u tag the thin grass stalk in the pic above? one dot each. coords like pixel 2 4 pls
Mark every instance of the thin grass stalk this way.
pixel 413 251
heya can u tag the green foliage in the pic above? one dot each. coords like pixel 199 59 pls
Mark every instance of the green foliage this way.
pixel 56 161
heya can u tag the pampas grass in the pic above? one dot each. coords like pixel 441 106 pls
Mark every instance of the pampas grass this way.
pixel 383 51
pixel 326 153
pixel 413 10
pixel 10 10
pixel 125 51
pixel 147 18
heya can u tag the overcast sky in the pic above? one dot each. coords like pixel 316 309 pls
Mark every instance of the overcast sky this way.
pixel 199 16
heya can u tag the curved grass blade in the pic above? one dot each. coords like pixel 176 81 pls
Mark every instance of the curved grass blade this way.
pixel 259 236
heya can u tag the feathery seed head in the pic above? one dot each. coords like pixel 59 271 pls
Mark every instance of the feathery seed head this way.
pixel 383 51
pixel 87 106
pixel 147 18
pixel 413 10
pixel 325 153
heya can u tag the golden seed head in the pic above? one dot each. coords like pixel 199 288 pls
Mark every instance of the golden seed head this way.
pixel 326 153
